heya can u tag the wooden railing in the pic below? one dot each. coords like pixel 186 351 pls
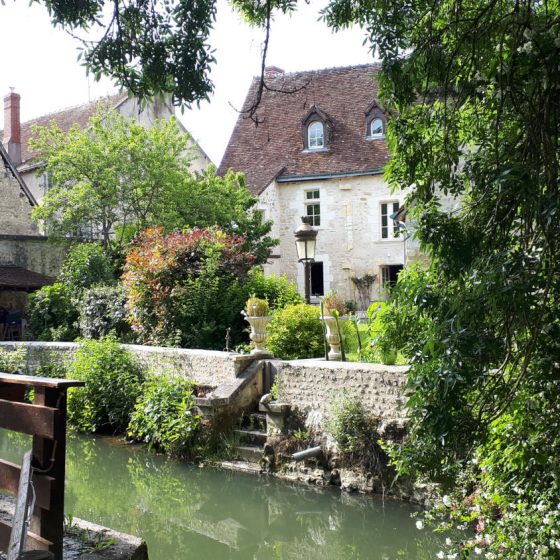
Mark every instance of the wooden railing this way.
pixel 45 420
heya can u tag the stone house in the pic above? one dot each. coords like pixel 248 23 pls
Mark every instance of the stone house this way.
pixel 319 152
pixel 27 260
pixel 16 135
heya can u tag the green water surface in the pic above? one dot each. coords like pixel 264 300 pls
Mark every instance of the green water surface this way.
pixel 185 512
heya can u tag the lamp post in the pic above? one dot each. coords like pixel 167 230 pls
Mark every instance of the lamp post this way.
pixel 305 245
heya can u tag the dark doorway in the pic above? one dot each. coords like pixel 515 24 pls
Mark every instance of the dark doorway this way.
pixel 390 274
pixel 317 286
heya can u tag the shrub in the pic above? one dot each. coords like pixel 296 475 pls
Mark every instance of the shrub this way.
pixel 86 265
pixel 14 361
pixel 52 314
pixel 256 307
pixel 296 332
pixel 333 303
pixel 187 288
pixel 103 311
pixel 277 290
pixel 113 383
pixel 165 416
pixel 354 430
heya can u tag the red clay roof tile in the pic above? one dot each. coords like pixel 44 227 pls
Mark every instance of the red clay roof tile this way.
pixel 344 94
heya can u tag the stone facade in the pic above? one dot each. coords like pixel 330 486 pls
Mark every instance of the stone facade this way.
pixel 15 206
pixel 310 386
pixel 32 252
pixel 349 242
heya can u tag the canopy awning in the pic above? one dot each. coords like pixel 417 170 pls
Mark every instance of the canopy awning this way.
pixel 20 279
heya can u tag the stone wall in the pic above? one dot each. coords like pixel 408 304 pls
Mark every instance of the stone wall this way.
pixel 349 241
pixel 310 386
pixel 33 252
pixel 203 366
pixel 15 207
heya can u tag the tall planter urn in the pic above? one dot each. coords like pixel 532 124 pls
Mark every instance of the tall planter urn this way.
pixel 256 313
pixel 258 334
pixel 333 338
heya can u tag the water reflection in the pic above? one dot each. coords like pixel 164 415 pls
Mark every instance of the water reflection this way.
pixel 185 512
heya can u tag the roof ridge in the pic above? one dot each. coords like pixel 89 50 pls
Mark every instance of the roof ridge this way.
pixel 118 97
pixel 373 65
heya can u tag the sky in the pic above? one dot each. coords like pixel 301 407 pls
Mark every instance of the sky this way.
pixel 40 62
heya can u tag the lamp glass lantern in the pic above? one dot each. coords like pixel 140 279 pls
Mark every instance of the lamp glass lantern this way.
pixel 306 238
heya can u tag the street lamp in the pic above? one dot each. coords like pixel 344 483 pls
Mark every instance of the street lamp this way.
pixel 305 245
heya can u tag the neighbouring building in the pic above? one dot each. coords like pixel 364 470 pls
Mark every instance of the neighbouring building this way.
pixel 320 152
pixel 27 260
pixel 16 135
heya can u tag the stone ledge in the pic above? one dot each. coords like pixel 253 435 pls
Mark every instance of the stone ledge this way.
pixel 82 537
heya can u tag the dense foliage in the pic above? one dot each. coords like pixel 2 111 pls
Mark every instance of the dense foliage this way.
pixel 110 179
pixel 481 324
pixel 296 332
pixel 86 265
pixel 13 361
pixel 277 290
pixel 102 312
pixel 117 177
pixel 52 314
pixel 165 416
pixel 187 288
pixel 113 380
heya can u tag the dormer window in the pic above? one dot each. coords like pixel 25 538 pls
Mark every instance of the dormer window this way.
pixel 375 122
pixel 376 129
pixel 317 130
pixel 315 135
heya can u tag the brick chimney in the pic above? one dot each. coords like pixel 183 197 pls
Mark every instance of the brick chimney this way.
pixel 273 72
pixel 12 127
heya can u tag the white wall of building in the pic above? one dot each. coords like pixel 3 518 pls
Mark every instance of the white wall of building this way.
pixel 349 241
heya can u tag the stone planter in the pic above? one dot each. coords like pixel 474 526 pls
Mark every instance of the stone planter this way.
pixel 332 338
pixel 258 334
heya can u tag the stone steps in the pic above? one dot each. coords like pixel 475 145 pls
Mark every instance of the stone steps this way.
pixel 250 453
pixel 252 437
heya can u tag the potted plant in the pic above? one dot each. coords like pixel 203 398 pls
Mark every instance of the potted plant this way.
pixel 256 313
pixel 333 308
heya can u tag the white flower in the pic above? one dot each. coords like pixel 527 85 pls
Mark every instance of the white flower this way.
pixel 448 541
pixel 477 550
pixel 446 501
pixel 419 525
pixel 440 555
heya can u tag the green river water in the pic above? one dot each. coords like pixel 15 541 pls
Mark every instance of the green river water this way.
pixel 185 512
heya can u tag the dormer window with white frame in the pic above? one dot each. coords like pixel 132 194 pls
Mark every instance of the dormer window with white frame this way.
pixel 315 135
pixel 317 130
pixel 376 128
pixel 375 122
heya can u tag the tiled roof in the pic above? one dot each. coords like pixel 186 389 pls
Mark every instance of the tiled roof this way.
pixel 18 278
pixel 80 114
pixel 275 146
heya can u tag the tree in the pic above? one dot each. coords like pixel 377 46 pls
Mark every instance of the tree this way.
pixel 110 179
pixel 187 288
pixel 474 90
pixel 115 178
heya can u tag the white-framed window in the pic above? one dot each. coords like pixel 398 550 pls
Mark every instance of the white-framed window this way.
pixel 313 206
pixel 389 228
pixel 376 128
pixel 315 135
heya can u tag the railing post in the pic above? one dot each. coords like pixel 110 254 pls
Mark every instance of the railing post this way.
pixel 49 458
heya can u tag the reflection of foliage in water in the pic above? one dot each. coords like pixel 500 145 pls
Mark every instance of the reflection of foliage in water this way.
pixel 187 513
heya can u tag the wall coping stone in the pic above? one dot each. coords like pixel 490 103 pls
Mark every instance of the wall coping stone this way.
pixel 336 365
